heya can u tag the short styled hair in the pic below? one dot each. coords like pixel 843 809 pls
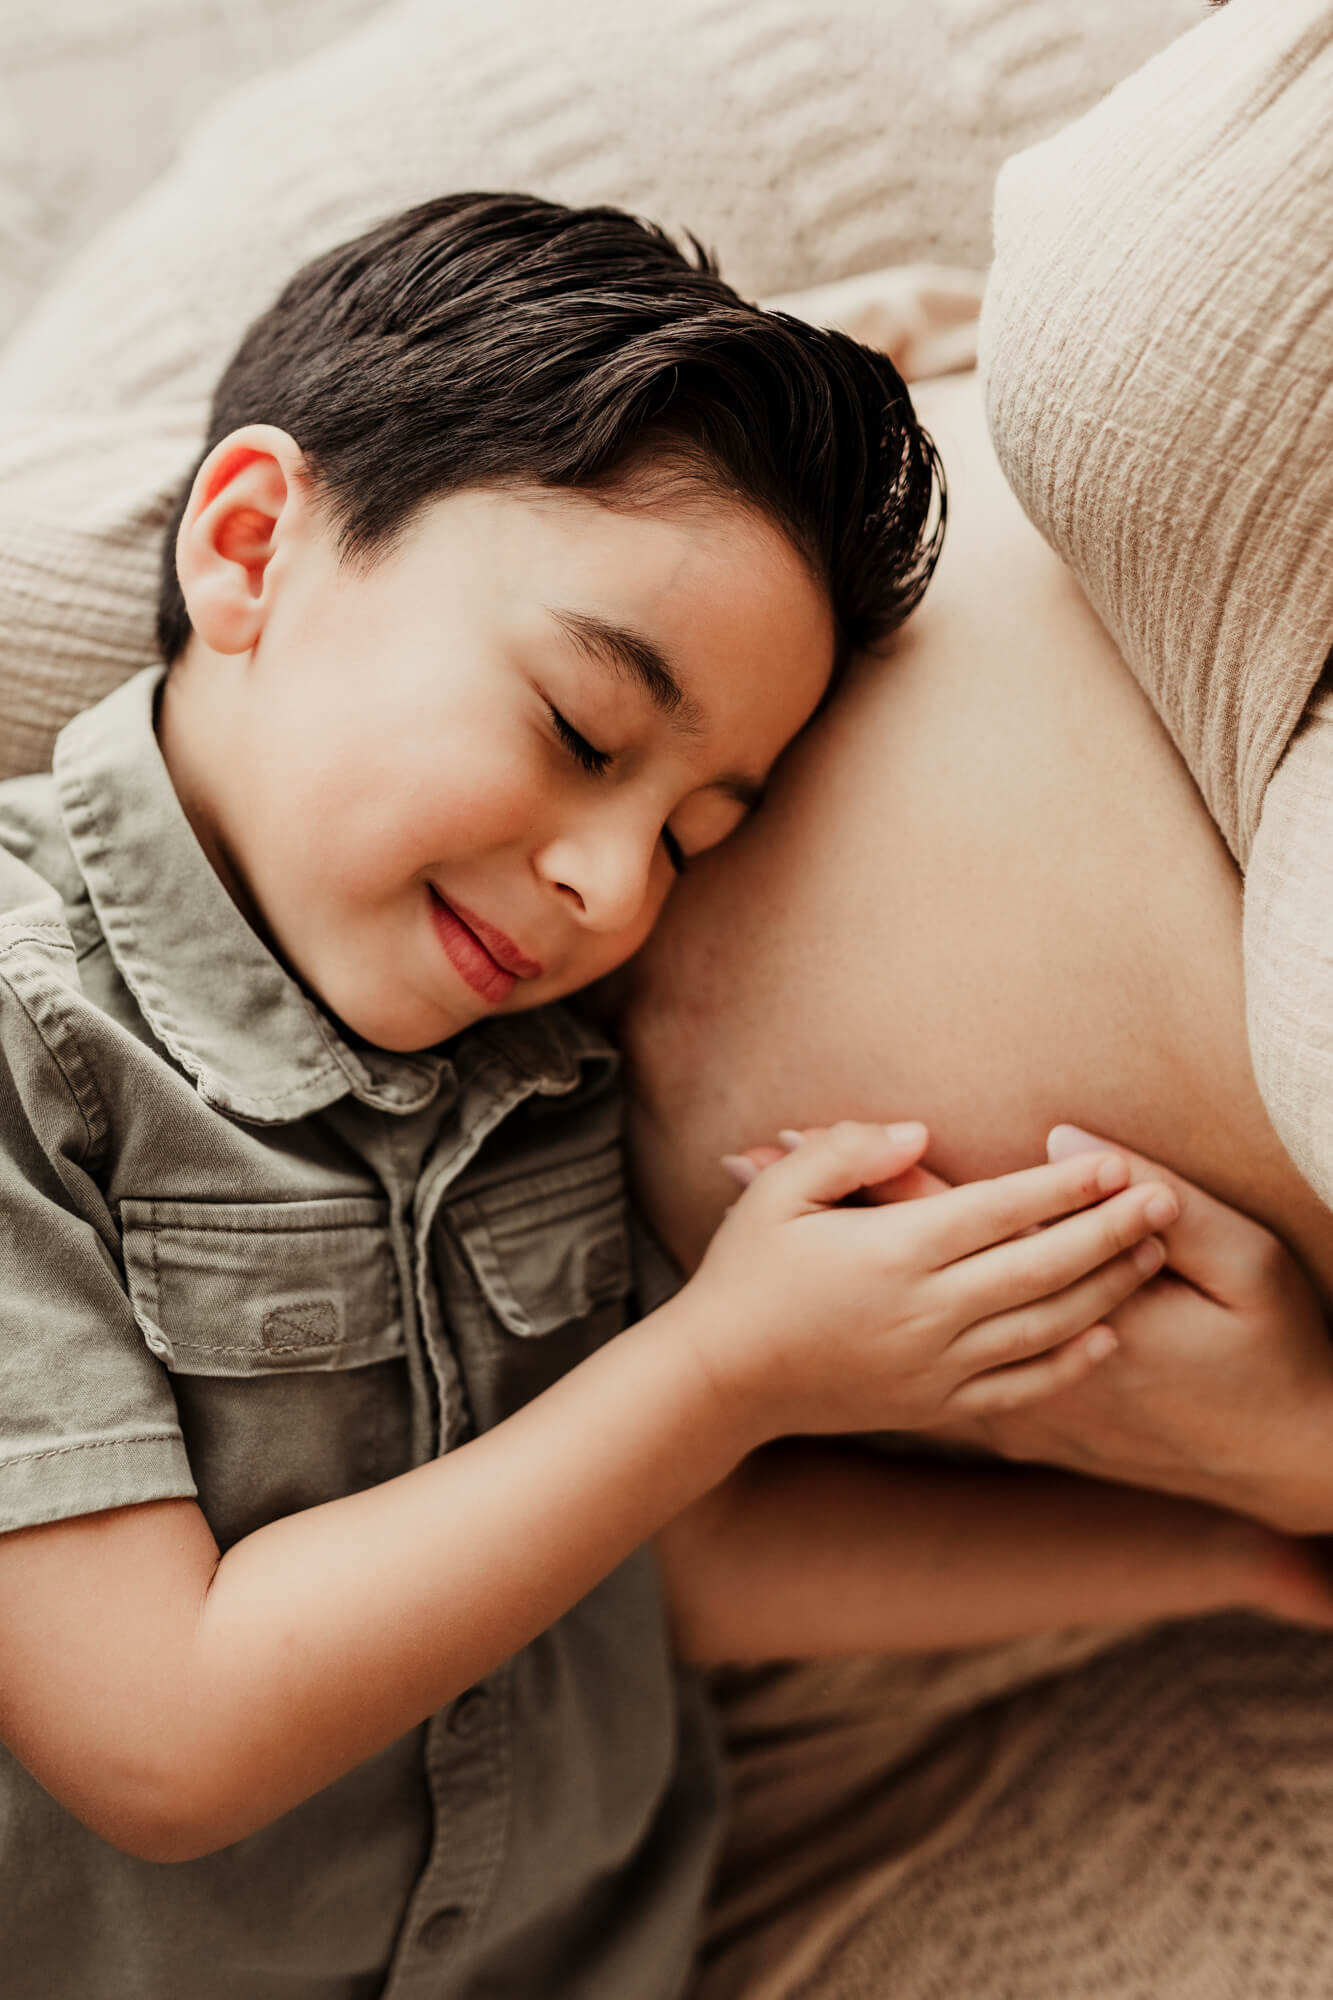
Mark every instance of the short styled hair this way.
pixel 492 339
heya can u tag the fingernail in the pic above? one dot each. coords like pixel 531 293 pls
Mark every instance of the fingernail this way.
pixel 907 1133
pixel 1063 1141
pixel 1101 1343
pixel 1150 1255
pixel 1163 1208
pixel 1111 1174
pixel 791 1139
pixel 740 1168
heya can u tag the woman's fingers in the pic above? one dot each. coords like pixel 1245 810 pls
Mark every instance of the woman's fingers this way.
pixel 1036 1267
pixel 913 1185
pixel 981 1213
pixel 1007 1389
pixel 1035 1329
pixel 1210 1244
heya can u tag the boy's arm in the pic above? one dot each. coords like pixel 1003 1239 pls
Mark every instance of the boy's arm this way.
pixel 811 1550
pixel 175 1702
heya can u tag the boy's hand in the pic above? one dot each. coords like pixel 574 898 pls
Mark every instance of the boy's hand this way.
pixel 811 1315
pixel 1223 1384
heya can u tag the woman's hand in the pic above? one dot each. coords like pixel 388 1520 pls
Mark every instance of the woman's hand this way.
pixel 816 1310
pixel 1222 1386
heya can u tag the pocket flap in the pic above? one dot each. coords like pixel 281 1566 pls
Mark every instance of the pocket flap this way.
pixel 550 1247
pixel 247 1288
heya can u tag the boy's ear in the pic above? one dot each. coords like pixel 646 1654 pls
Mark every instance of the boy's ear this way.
pixel 248 501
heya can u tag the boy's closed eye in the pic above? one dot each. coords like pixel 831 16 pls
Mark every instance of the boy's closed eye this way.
pixel 596 762
pixel 584 753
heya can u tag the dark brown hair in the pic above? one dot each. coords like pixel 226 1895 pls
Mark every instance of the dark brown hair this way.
pixel 484 339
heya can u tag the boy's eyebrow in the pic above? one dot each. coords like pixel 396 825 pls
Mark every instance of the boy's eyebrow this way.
pixel 635 655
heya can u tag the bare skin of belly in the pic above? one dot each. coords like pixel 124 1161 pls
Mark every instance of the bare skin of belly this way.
pixel 983 892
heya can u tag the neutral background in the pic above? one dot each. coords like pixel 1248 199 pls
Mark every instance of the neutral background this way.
pixel 919 107
pixel 95 96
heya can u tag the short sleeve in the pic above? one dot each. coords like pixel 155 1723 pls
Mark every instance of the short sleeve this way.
pixel 87 1417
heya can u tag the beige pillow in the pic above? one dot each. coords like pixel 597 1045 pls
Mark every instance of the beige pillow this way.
pixel 95 98
pixel 803 143
pixel 1158 341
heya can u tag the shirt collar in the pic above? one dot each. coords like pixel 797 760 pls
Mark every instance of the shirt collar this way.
pixel 253 1041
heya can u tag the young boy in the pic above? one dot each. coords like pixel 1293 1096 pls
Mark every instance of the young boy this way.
pixel 519 549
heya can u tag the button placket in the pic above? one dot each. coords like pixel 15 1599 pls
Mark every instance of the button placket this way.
pixel 468 1715
pixel 468 1755
pixel 469 1776
pixel 441 1927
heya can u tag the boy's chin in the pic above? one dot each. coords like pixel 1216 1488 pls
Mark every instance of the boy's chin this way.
pixel 604 1001
pixel 365 1021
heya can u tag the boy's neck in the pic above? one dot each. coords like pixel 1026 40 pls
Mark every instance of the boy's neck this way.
pixel 192 728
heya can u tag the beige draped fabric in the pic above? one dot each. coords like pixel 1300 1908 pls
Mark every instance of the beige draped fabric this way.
pixel 1158 340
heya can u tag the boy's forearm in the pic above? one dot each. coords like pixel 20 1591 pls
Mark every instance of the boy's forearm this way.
pixel 202 1698
pixel 813 1550
pixel 364 1616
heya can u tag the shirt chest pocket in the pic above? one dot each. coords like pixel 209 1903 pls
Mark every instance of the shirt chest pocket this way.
pixel 263 1288
pixel 281 1324
pixel 536 1275
pixel 550 1247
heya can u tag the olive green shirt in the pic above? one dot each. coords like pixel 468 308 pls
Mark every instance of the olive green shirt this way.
pixel 243 1259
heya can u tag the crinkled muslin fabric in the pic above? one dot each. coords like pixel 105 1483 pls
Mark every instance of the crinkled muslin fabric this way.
pixel 1157 338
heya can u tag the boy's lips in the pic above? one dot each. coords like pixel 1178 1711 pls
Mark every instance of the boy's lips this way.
pixel 486 957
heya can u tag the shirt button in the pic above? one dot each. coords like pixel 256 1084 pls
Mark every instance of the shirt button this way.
pixel 441 1927
pixel 468 1713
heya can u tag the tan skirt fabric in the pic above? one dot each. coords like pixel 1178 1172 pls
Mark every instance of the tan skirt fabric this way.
pixel 1289 943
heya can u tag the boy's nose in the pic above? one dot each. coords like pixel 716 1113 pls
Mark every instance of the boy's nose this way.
pixel 605 874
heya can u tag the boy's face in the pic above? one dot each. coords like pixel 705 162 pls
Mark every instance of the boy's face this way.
pixel 439 788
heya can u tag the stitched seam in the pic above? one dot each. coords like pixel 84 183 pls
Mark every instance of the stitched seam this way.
pixel 86 1070
pixel 233 1229
pixel 44 931
pixel 93 1444
pixel 601 1167
pixel 156 1269
pixel 259 1348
